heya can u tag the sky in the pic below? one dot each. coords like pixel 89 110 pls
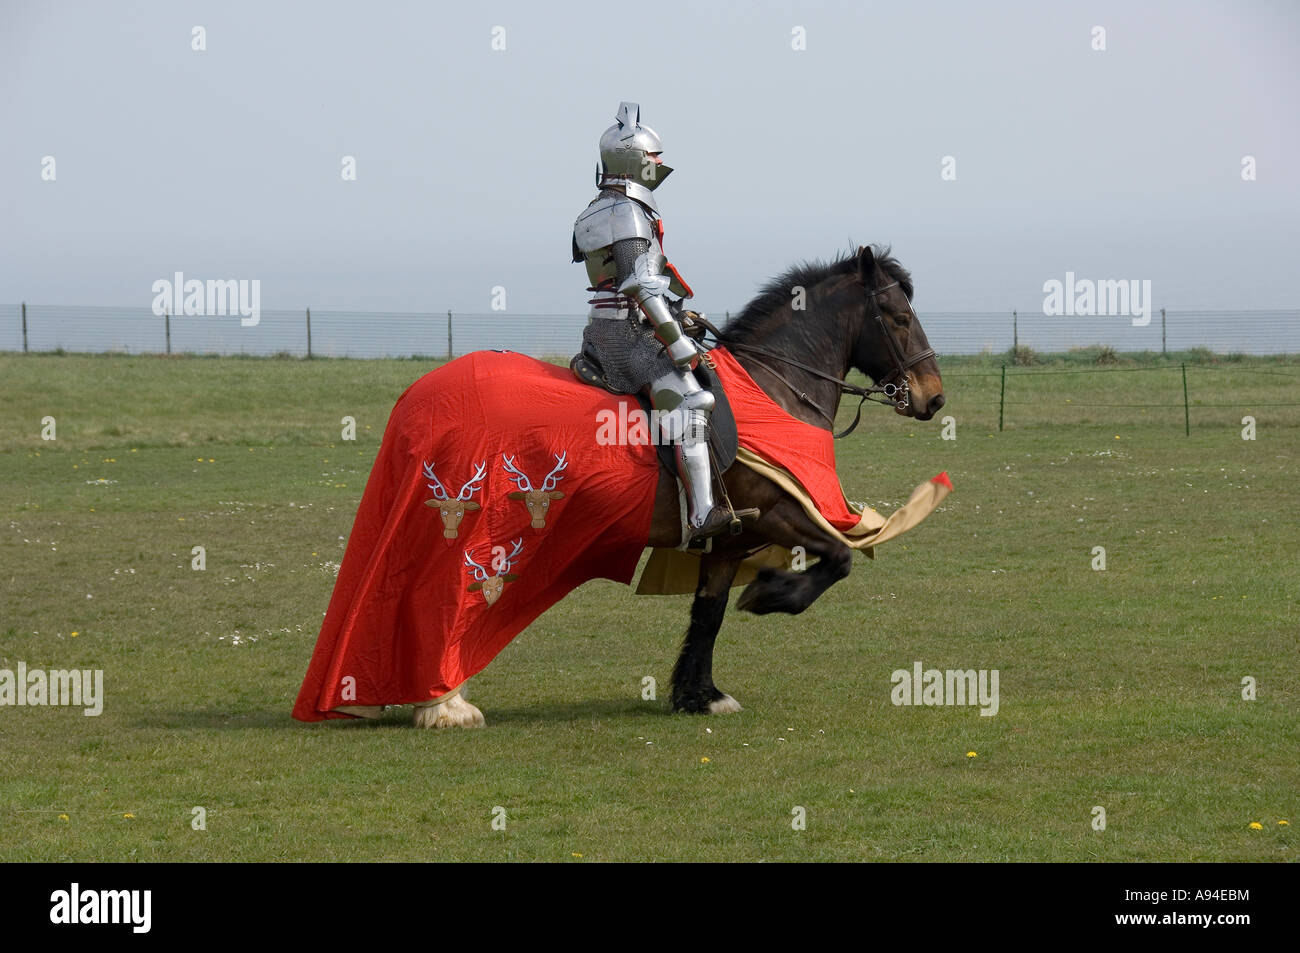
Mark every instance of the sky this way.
pixel 472 161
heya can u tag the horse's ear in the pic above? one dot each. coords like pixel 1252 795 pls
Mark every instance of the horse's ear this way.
pixel 867 267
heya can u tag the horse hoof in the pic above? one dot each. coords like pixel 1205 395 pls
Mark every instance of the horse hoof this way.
pixel 454 713
pixel 726 705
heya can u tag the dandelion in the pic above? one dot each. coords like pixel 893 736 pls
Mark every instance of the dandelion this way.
pixel 210 460
pixel 704 761
pixel 971 754
pixel 1256 826
pixel 75 634
pixel 129 817
pixel 63 817
pixel 575 854
pixel 1283 823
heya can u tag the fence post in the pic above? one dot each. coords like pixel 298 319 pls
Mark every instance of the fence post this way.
pixel 449 348
pixel 1002 398
pixel 167 323
pixel 309 334
pixel 1187 414
pixel 1015 334
pixel 24 327
pixel 1162 332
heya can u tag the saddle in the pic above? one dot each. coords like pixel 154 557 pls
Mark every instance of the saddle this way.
pixel 723 437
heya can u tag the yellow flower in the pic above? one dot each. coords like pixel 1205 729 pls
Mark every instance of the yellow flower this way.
pixel 971 754
pixel 75 634
pixel 210 460
pixel 63 817
pixel 1256 826
pixel 576 854
pixel 1283 823
pixel 129 816
pixel 704 761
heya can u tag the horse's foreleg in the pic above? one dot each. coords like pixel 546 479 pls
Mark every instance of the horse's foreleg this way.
pixel 778 590
pixel 693 688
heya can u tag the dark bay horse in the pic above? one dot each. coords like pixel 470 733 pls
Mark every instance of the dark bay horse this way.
pixel 798 340
pixel 857 314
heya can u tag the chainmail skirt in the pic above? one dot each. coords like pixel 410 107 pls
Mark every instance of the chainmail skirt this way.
pixel 627 351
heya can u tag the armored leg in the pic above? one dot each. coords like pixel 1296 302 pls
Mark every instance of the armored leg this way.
pixel 684 408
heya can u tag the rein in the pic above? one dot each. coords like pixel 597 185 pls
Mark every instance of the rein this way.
pixel 895 393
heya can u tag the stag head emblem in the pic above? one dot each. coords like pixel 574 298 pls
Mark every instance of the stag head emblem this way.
pixel 453 511
pixel 492 586
pixel 537 501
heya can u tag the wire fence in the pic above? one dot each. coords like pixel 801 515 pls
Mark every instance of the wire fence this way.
pixel 1163 393
pixel 369 334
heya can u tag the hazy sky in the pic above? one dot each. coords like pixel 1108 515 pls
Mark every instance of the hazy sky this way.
pixel 472 163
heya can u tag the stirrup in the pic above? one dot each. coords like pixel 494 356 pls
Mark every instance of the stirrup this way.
pixel 722 519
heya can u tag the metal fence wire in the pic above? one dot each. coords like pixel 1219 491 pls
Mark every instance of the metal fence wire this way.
pixel 369 334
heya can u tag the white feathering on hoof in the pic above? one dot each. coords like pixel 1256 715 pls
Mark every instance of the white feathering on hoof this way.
pixel 453 713
pixel 726 705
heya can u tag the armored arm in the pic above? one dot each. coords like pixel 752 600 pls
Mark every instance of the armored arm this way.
pixel 639 276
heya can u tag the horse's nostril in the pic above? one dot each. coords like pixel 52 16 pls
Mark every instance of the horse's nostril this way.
pixel 936 402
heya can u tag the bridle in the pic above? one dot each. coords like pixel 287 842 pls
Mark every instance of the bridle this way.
pixel 893 387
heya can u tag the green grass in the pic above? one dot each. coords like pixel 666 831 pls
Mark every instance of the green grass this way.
pixel 1119 688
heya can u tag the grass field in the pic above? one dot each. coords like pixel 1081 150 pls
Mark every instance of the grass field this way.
pixel 1119 688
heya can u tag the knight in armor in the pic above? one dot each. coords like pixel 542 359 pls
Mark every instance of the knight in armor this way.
pixel 633 334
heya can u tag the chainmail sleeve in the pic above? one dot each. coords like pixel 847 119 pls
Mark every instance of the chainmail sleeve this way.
pixel 626 252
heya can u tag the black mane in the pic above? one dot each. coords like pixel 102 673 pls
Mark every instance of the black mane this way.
pixel 778 291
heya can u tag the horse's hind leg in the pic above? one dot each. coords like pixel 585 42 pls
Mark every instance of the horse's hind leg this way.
pixel 693 688
pixel 448 711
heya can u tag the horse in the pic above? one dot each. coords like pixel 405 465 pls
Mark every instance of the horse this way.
pixel 798 340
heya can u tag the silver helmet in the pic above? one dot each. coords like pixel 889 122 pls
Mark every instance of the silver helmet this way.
pixel 629 156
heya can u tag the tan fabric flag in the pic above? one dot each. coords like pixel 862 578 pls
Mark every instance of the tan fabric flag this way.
pixel 672 572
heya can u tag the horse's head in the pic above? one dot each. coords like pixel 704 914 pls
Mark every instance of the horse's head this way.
pixel 891 347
